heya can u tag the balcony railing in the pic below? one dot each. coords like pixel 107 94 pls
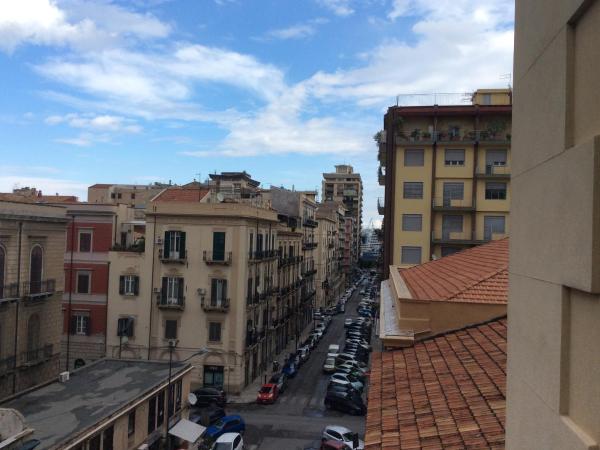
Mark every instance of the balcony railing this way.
pixel 451 237
pixel 171 303
pixel 173 257
pixel 452 204
pixel 493 171
pixel 308 222
pixel 7 365
pixel 37 356
pixel 34 290
pixel 262 254
pixel 309 245
pixel 380 205
pixel 9 292
pixel 381 176
pixel 458 135
pixel 223 259
pixel 215 305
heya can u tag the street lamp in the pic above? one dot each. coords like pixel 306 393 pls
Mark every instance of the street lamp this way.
pixel 172 344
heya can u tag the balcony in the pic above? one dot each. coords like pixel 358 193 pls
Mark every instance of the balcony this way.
pixel 382 153
pixel 217 258
pixel 173 257
pixel 37 356
pixel 380 206
pixel 9 293
pixel 171 303
pixel 493 171
pixel 452 237
pixel 309 245
pixel 308 273
pixel 260 255
pixel 38 290
pixel 215 305
pixel 7 365
pixel 448 204
pixel 381 176
pixel 308 222
pixel 451 136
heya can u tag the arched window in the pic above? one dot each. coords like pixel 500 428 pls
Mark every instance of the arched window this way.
pixel 2 265
pixel 33 337
pixel 35 270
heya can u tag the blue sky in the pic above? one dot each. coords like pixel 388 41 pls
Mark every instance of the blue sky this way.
pixel 140 91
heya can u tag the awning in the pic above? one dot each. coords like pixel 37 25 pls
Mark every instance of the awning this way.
pixel 187 430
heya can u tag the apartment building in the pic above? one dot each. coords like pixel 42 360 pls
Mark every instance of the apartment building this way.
pixel 32 247
pixel 207 279
pixel 330 278
pixel 135 195
pixel 553 395
pixel 345 186
pixel 349 258
pixel 446 172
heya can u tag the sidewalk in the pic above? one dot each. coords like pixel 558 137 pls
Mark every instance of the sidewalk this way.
pixel 248 395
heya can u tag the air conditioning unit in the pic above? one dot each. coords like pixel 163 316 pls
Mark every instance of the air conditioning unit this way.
pixel 63 377
pixel 156 290
pixel 159 241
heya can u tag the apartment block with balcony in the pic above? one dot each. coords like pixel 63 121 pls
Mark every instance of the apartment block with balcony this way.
pixel 32 247
pixel 206 279
pixel 345 186
pixel 135 195
pixel 330 278
pixel 447 177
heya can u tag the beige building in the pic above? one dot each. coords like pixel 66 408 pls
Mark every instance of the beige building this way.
pixel 345 186
pixel 446 172
pixel 553 397
pixel 136 195
pixel 330 277
pixel 32 247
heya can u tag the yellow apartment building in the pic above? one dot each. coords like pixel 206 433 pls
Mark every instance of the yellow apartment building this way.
pixel 446 172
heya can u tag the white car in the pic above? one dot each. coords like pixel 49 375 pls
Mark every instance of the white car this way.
pixel 333 348
pixel 329 366
pixel 229 441
pixel 342 434
pixel 342 377
pixel 347 322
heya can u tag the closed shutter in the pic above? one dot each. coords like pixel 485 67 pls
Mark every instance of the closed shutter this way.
pixel 167 244
pixel 182 253
pixel 451 223
pixel 454 157
pixel 180 289
pixel 493 225
pixel 218 246
pixel 411 255
pixel 453 191
pixel 122 285
pixel 414 157
pixel 495 158
pixel 213 291
pixel 412 222
pixel 136 285
pixel 413 190
pixel 164 289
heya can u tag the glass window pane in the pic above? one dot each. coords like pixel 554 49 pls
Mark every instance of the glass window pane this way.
pixel 411 255
pixel 413 190
pixel 414 157
pixel 412 222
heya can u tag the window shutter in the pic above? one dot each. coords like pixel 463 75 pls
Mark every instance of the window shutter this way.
pixel 129 330
pixel 122 285
pixel 163 293
pixel 73 323
pixel 136 285
pixel 224 290
pixel 180 289
pixel 414 157
pixel 182 245
pixel 213 290
pixel 167 244
pixel 87 321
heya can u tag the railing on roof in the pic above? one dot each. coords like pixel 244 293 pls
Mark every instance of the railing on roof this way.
pixel 439 98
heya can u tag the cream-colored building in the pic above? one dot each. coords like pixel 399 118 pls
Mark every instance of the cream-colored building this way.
pixel 553 399
pixel 32 247
pixel 136 195
pixel 330 277
pixel 446 172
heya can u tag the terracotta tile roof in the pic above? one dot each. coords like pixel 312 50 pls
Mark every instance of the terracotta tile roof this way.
pixel 180 194
pixel 478 275
pixel 446 392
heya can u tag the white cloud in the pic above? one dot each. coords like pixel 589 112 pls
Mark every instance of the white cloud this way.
pixel 46 185
pixel 298 31
pixel 338 7
pixel 80 141
pixel 106 123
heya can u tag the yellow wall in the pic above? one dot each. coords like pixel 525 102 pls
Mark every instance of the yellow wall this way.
pixel 481 153
pixel 480 221
pixel 492 205
pixel 443 171
pixel 438 220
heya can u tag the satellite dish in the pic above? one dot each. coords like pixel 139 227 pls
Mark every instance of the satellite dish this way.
pixel 220 197
pixel 192 399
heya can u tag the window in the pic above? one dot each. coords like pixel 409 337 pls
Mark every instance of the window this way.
pixel 160 414
pixel 486 99
pixel 94 442
pixel 83 282
pixel 119 195
pixel 249 294
pixel 172 290
pixel 107 438
pixel 36 270
pixel 213 376
pixel 85 241
pixel 218 246
pixel 259 243
pixel 131 424
pixel 495 158
pixel 218 291
pixel 178 393
pixel 214 331
pixel 170 329
pixel 133 196
pixel 493 225
pixel 454 157
pixel 125 327
pixel 129 285
pixel 451 223
pixel 112 195
pixel 411 222
pixel 453 191
pixel 174 245
pixel 251 244
pixel 495 191
pixel 414 157
pixel 413 189
pixel 411 255
pixel 151 415
pixel 80 324
pixel 447 251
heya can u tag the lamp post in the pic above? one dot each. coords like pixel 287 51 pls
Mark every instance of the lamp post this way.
pixel 172 344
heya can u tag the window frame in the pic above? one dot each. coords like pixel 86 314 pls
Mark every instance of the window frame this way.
pixel 210 331
pixel 130 425
pixel 413 184
pixel 81 324
pixel 455 162
pixel 166 329
pixel 412 216
pixel 81 232
pixel 496 194
pixel 410 247
pixel 414 151
pixel 89 282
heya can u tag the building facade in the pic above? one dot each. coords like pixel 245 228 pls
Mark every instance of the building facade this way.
pixel 330 277
pixel 135 195
pixel 345 186
pixel 32 247
pixel 553 398
pixel 446 172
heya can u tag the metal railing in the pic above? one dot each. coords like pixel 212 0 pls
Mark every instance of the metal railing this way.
pixel 171 303
pixel 36 289
pixel 494 171
pixel 37 355
pixel 308 222
pixel 176 257
pixel 217 258
pixel 450 136
pixel 9 292
pixel 7 365
pixel 221 305
pixel 451 203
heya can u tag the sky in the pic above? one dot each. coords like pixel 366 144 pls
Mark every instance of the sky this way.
pixel 135 91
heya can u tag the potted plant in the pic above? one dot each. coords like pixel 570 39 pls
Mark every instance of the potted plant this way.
pixel 426 135
pixel 415 134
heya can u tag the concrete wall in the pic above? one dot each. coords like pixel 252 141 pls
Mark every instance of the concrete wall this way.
pixel 553 365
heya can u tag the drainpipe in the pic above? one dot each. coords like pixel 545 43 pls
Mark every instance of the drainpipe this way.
pixel 70 290
pixel 106 310
pixel 152 286
pixel 16 344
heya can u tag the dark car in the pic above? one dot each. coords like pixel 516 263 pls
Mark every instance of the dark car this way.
pixel 208 396
pixel 281 380
pixel 345 402
pixel 290 369
pixel 343 388
pixel 206 416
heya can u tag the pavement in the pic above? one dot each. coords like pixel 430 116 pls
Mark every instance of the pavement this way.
pixel 299 415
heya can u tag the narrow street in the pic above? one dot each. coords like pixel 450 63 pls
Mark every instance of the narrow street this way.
pixel 299 415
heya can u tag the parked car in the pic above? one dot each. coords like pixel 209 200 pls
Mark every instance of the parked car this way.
pixel 206 416
pixel 333 348
pixel 348 322
pixel 268 393
pixel 280 380
pixel 290 369
pixel 229 441
pixel 353 365
pixel 329 365
pixel 357 374
pixel 227 424
pixel 208 396
pixel 326 444
pixel 347 357
pixel 343 434
pixel 340 377
pixel 344 388
pixel 345 402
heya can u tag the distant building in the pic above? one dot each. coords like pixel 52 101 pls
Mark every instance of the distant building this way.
pixel 32 248
pixel 136 195
pixel 370 246
pixel 446 172
pixel 330 277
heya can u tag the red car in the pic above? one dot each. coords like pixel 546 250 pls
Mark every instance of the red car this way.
pixel 268 393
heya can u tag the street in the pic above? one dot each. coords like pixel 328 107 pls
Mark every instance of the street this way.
pixel 299 415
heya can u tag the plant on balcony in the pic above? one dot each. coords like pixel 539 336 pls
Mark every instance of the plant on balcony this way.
pixel 496 127
pixel 378 137
pixel 426 135
pixel 454 132
pixel 415 134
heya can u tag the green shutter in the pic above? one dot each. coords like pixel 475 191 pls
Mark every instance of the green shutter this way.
pixel 182 254
pixel 163 293
pixel 122 285
pixel 219 246
pixel 136 285
pixel 180 289
pixel 166 244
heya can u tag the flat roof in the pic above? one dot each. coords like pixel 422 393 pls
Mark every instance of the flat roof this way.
pixel 58 412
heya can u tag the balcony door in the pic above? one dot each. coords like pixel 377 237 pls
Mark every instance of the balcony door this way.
pixel 453 191
pixel 451 223
pixel 492 225
pixel 35 270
